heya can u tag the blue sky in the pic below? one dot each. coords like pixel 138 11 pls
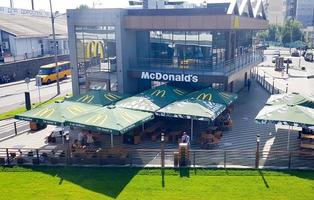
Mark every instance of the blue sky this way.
pixel 62 5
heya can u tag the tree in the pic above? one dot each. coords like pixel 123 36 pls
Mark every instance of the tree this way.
pixel 292 31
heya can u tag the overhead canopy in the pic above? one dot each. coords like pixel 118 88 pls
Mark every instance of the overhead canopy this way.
pixel 291 99
pixel 153 99
pixel 292 115
pixel 192 109
pixel 98 97
pixel 110 119
pixel 56 113
pixel 213 95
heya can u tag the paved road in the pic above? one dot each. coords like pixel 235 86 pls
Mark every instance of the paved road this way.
pixel 12 96
pixel 296 79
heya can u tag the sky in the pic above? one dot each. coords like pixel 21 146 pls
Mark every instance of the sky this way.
pixel 62 5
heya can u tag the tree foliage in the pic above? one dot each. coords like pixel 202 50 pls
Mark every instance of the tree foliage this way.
pixel 83 6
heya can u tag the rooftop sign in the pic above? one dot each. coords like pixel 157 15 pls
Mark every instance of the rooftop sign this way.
pixel 169 77
pixel 17 11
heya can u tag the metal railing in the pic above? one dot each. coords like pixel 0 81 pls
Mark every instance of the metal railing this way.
pixel 13 129
pixel 152 158
pixel 201 66
pixel 270 87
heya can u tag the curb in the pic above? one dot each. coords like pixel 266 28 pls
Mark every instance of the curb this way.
pixel 15 83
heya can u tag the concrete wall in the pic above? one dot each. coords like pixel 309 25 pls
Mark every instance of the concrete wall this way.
pixel 22 68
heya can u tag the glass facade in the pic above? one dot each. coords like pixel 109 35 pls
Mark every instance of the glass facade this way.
pixel 96 57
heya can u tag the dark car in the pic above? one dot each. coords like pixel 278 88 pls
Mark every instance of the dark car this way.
pixel 295 53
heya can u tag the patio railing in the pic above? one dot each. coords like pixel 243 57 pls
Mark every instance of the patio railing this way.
pixel 152 158
pixel 13 129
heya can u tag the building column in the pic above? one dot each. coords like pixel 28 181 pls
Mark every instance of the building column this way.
pixel 230 45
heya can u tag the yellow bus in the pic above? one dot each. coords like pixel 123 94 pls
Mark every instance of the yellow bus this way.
pixel 48 73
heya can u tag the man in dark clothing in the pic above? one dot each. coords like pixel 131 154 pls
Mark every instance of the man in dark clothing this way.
pixel 248 84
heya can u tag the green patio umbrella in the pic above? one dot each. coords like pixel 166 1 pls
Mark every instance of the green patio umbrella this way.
pixel 213 95
pixel 153 99
pixel 291 99
pixel 193 109
pixel 98 97
pixel 110 119
pixel 56 113
pixel 291 115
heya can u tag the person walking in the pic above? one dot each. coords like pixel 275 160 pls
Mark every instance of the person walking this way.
pixel 248 84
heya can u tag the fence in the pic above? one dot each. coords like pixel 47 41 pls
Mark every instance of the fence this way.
pixel 269 87
pixel 152 158
pixel 12 129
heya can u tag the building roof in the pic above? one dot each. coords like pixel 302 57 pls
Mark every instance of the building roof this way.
pixel 23 26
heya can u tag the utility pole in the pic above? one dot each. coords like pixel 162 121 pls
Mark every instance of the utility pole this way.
pixel 55 47
pixel 32 4
pixel 11 4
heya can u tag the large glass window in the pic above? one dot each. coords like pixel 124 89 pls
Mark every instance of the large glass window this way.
pixel 96 52
pixel 182 49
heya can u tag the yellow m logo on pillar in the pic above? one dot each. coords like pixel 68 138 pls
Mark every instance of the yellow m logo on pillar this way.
pixel 86 99
pixel 95 48
pixel 47 112
pixel 75 110
pixel 112 97
pixel 156 93
pixel 204 97
pixel 236 22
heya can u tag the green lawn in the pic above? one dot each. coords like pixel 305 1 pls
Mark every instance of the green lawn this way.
pixel 16 111
pixel 132 183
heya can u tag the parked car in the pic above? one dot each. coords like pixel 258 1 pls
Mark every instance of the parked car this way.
pixel 295 53
pixel 309 56
pixel 274 58
pixel 276 52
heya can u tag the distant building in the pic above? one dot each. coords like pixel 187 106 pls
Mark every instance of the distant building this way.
pixel 160 4
pixel 291 6
pixel 27 34
pixel 305 12
pixel 309 36
pixel 276 12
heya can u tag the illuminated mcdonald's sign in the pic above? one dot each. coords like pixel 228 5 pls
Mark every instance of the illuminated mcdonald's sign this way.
pixel 162 93
pixel 95 48
pixel 99 119
pixel 75 109
pixel 204 96
pixel 86 98
pixel 47 112
pixel 112 97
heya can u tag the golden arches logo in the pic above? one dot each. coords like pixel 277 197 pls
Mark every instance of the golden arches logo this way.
pixel 86 98
pixel 95 48
pixel 98 119
pixel 75 109
pixel 128 117
pixel 162 93
pixel 178 92
pixel 204 96
pixel 112 97
pixel 236 22
pixel 47 112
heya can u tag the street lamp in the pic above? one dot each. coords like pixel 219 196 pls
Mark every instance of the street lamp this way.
pixel 257 151
pixel 162 139
pixel 53 17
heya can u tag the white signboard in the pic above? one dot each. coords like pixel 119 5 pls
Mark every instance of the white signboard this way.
pixel 169 77
pixel 17 11
pixel 38 81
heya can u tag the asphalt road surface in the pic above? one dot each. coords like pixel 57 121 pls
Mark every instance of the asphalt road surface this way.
pixel 12 96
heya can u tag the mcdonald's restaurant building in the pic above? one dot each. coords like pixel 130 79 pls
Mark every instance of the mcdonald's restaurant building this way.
pixel 131 50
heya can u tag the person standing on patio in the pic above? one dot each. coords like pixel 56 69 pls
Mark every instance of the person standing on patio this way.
pixel 80 137
pixel 248 84
pixel 89 139
pixel 185 138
